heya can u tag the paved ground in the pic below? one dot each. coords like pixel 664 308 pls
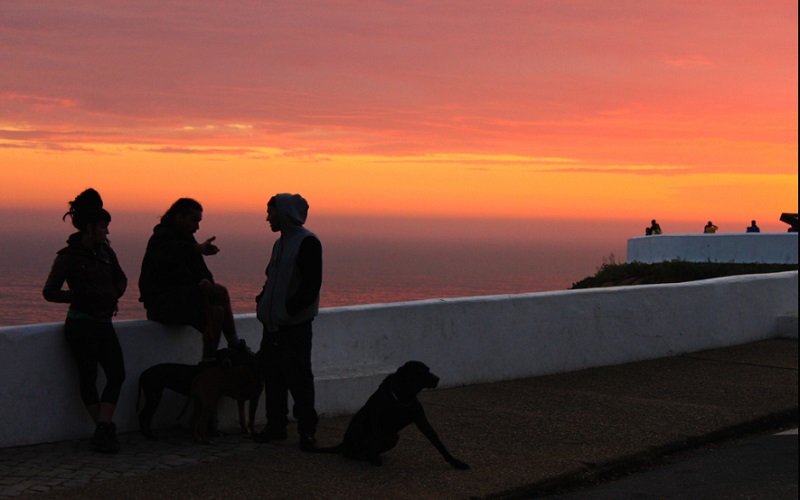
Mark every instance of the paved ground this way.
pixel 763 466
pixel 523 438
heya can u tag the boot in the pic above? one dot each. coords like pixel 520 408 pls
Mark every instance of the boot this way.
pixel 105 438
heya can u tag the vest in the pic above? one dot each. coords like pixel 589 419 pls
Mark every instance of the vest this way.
pixel 283 280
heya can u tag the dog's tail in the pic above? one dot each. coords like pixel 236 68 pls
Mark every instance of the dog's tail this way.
pixel 139 393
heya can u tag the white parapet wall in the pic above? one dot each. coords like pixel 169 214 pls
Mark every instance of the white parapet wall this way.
pixel 767 248
pixel 465 341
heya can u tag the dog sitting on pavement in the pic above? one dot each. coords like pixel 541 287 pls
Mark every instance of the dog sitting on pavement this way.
pixel 178 377
pixel 242 382
pixel 375 428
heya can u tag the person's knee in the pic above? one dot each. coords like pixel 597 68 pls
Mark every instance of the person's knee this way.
pixel 217 312
pixel 219 295
pixel 115 378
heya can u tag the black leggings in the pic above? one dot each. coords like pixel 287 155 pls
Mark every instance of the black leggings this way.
pixel 95 343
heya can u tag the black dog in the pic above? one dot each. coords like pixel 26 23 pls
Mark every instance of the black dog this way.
pixel 178 377
pixel 374 429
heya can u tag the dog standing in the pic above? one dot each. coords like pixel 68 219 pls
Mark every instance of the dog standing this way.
pixel 152 382
pixel 178 377
pixel 375 428
pixel 242 382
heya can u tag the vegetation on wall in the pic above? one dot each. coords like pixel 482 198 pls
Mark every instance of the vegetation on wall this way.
pixel 611 273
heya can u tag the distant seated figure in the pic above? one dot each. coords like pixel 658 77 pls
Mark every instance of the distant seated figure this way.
pixel 654 227
pixel 710 228
pixel 753 228
pixel 175 285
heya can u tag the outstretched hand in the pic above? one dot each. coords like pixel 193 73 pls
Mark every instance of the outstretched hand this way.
pixel 208 248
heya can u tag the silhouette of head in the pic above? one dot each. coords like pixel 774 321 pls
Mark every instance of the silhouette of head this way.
pixel 87 210
pixel 285 211
pixel 184 216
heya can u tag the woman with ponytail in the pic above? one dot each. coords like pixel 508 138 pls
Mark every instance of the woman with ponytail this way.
pixel 95 281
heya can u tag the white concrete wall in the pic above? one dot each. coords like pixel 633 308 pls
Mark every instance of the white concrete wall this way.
pixel 465 341
pixel 772 248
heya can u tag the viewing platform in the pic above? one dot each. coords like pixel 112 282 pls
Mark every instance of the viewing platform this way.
pixel 538 392
pixel 522 439
pixel 742 248
pixel 465 341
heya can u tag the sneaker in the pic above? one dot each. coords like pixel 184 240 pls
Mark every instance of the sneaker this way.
pixel 105 438
pixel 267 435
pixel 307 442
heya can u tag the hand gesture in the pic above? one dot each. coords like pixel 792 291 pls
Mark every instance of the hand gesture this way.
pixel 208 248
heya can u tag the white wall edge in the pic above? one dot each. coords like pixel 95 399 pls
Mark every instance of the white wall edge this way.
pixel 464 340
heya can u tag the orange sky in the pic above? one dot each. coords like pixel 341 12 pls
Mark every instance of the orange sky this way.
pixel 680 110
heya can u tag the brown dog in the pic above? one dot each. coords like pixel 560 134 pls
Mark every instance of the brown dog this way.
pixel 242 383
pixel 178 377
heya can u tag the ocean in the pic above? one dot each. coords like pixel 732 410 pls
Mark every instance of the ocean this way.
pixel 364 262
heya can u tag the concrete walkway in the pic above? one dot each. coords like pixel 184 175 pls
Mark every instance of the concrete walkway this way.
pixel 522 438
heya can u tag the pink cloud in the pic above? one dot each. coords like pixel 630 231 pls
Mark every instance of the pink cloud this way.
pixel 393 77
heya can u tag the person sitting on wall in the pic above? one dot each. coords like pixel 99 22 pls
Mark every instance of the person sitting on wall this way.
pixel 753 228
pixel 710 228
pixel 176 286
pixel 654 228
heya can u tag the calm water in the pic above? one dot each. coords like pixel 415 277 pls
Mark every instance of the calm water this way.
pixel 361 269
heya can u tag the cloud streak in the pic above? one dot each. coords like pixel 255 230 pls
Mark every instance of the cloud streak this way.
pixel 297 64
pixel 613 88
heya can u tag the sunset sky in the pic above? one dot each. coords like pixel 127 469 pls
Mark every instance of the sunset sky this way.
pixel 679 110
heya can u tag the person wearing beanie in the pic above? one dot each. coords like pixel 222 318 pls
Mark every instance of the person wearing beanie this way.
pixel 95 282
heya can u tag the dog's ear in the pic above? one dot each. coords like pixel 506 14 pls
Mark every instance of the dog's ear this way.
pixel 414 368
pixel 412 377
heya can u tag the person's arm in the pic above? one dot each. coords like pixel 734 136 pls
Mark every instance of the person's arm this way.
pixel 117 274
pixel 309 260
pixel 52 291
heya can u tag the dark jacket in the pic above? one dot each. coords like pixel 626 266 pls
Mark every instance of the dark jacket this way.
pixel 94 278
pixel 171 263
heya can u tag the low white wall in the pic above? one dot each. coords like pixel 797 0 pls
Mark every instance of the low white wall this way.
pixel 771 248
pixel 465 341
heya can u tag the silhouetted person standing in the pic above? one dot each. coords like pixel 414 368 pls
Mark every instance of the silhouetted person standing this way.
pixel 286 307
pixel 753 228
pixel 95 282
pixel 710 228
pixel 176 286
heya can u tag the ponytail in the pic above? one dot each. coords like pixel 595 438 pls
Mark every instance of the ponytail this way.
pixel 87 208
